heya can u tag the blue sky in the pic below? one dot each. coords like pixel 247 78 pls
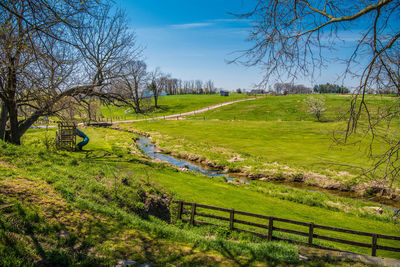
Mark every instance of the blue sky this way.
pixel 195 39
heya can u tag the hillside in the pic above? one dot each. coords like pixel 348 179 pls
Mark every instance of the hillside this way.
pixel 92 207
pixel 63 209
pixel 290 145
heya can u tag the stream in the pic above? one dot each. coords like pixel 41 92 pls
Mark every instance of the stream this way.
pixel 151 150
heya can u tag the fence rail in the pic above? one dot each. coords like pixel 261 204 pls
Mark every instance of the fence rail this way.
pixel 272 228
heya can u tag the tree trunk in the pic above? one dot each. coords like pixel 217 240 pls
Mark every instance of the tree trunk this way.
pixel 136 98
pixel 11 102
pixel 24 126
pixel 3 121
pixel 155 100
pixel 13 114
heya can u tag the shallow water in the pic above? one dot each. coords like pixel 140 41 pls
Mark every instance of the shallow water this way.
pixel 151 150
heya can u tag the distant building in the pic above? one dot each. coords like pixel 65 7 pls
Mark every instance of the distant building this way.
pixel 224 93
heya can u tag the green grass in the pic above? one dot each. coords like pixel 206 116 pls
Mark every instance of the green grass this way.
pixel 87 179
pixel 173 104
pixel 273 149
pixel 276 137
pixel 168 105
pixel 291 108
pixel 105 186
pixel 106 183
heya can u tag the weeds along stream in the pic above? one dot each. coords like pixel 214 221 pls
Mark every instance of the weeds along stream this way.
pixel 152 151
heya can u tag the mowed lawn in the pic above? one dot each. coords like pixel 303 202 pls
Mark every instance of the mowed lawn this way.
pixel 112 149
pixel 303 146
pixel 293 108
pixel 290 144
pixel 173 104
pixel 274 133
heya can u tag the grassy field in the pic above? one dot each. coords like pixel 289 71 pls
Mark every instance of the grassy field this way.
pixel 173 104
pixel 291 108
pixel 88 207
pixel 69 208
pixel 290 145
pixel 115 150
pixel 168 105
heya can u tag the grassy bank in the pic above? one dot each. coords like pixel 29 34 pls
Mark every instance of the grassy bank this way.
pixel 168 105
pixel 87 180
pixel 276 138
pixel 277 150
pixel 293 108
pixel 87 208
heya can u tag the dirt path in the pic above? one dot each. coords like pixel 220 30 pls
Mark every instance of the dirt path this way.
pixel 194 112
pixel 167 117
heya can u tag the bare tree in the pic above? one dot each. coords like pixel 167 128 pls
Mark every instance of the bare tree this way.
pixel 199 86
pixel 51 50
pixel 157 83
pixel 294 38
pixel 134 81
pixel 210 86
pixel 291 88
pixel 187 87
pixel 172 86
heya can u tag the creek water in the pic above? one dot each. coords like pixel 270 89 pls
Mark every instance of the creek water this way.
pixel 151 150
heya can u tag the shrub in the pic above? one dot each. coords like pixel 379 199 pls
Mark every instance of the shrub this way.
pixel 316 106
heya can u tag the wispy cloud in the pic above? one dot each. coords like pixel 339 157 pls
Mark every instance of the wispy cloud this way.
pixel 230 20
pixel 192 25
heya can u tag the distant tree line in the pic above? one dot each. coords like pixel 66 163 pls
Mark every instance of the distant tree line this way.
pixel 290 88
pixel 137 79
pixel 330 89
pixel 138 85
pixel 382 91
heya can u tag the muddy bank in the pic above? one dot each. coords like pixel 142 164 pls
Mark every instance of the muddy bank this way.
pixel 308 180
pixel 303 180
pixel 371 191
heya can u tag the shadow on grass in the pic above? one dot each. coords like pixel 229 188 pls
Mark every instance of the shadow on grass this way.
pixel 110 157
pixel 27 240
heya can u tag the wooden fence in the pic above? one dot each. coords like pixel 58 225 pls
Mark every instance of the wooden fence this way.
pixel 310 234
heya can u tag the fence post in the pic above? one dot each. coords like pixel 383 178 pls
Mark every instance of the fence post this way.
pixel 310 234
pixel 374 239
pixel 192 213
pixel 270 228
pixel 231 219
pixel 180 209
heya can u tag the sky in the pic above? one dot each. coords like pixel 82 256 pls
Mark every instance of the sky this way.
pixel 195 39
